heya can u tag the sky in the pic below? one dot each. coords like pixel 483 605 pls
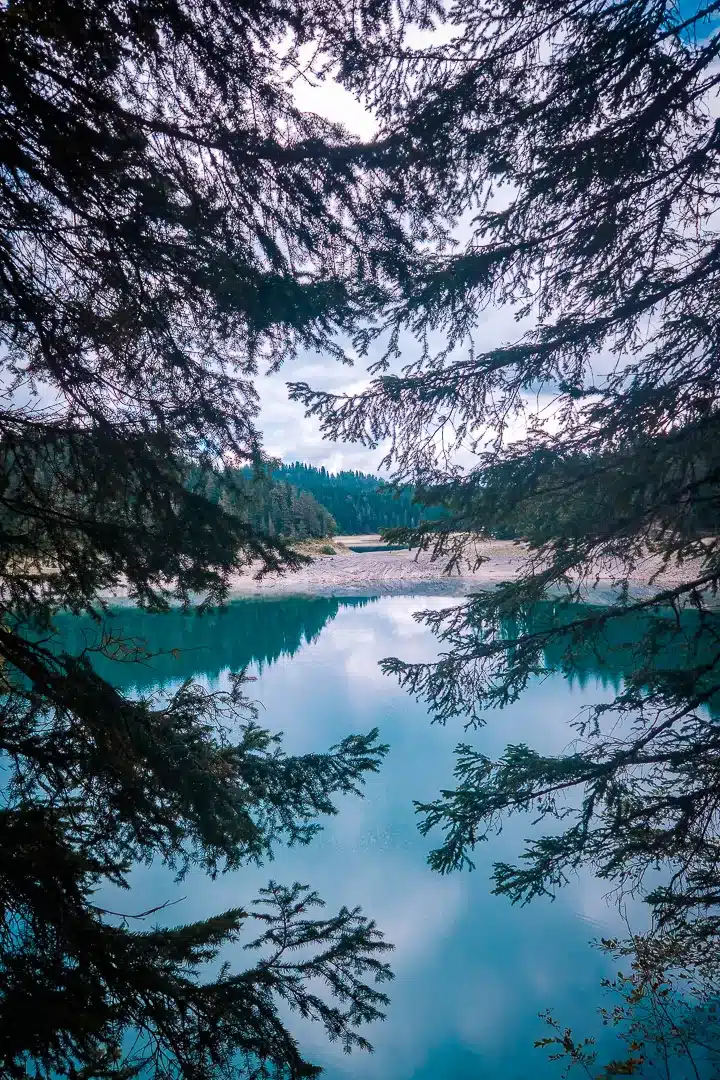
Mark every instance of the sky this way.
pixel 288 433
pixel 292 436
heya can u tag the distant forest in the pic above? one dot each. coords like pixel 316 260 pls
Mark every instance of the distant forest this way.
pixel 301 502
pixel 359 502
pixel 268 503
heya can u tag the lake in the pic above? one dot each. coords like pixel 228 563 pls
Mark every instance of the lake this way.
pixel 471 971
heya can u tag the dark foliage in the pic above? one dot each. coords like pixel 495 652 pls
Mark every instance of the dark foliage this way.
pixel 171 225
pixel 358 502
pixel 582 140
pixel 266 502
pixel 662 1005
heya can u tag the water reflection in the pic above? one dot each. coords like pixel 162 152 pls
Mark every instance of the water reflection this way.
pixel 471 971
pixel 665 642
pixel 184 645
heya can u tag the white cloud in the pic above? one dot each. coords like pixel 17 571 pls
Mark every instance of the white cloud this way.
pixel 334 103
pixel 288 433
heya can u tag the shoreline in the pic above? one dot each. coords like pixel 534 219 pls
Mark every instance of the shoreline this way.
pixel 378 573
pixel 349 573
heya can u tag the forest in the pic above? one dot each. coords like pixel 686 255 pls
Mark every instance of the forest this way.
pixel 298 502
pixel 358 502
pixel 266 502
pixel 500 221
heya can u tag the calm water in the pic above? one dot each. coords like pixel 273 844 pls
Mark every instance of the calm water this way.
pixel 471 972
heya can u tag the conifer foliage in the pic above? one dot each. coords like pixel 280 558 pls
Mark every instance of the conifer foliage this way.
pixel 171 223
pixel 359 502
pixel 266 502
pixel 581 142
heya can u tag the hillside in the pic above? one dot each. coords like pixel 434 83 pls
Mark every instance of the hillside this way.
pixel 302 502
pixel 358 502
pixel 268 503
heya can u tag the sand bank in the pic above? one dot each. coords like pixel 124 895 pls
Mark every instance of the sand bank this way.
pixel 373 573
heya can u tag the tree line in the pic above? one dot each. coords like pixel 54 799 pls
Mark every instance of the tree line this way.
pixel 358 501
pixel 267 502
pixel 298 501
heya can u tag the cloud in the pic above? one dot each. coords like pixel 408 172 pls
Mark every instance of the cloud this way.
pixel 333 102
pixel 288 433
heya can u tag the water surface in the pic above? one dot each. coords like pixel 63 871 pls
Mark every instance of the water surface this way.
pixel 472 972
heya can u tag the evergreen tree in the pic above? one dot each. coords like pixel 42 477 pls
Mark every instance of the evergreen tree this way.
pixel 171 222
pixel 582 142
pixel 265 502
pixel 359 502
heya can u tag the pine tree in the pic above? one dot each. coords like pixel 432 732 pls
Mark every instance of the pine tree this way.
pixel 358 502
pixel 171 223
pixel 581 143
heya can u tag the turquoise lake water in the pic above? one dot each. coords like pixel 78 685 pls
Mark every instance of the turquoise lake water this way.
pixel 471 971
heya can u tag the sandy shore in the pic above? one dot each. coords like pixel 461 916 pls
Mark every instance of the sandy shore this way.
pixel 374 573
